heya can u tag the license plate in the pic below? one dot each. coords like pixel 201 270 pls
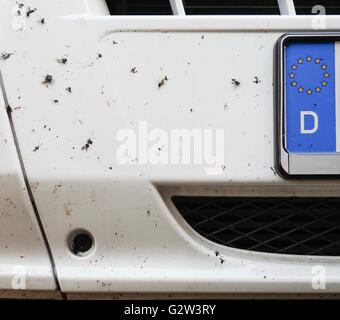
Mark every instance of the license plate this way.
pixel 308 104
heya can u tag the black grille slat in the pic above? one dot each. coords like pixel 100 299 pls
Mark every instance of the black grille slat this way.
pixel 304 7
pixel 217 7
pixel 287 225
pixel 194 7
pixel 231 7
pixel 139 7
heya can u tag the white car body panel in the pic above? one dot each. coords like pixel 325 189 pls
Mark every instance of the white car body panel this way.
pixel 142 244
pixel 25 263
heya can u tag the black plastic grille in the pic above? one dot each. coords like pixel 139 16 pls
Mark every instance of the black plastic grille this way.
pixel 305 7
pixel 294 225
pixel 231 7
pixel 194 7
pixel 139 7
pixel 217 7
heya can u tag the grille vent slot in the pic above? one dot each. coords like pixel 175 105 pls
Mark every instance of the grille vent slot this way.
pixel 294 225
pixel 217 7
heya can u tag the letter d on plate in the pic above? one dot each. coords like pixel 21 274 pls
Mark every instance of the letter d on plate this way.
pixel 302 121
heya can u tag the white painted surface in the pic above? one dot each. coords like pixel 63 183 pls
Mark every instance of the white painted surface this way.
pixel 97 7
pixel 177 7
pixel 141 242
pixel 24 262
pixel 286 7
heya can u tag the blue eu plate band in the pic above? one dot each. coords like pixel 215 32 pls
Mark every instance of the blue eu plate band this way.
pixel 307 105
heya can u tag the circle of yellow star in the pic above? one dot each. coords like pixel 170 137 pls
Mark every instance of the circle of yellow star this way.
pixel 300 89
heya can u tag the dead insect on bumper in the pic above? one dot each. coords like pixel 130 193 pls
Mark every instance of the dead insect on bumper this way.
pixel 29 11
pixel 87 144
pixel 257 81
pixel 48 79
pixel 5 55
pixel 235 82
pixel 162 82
pixel 62 60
